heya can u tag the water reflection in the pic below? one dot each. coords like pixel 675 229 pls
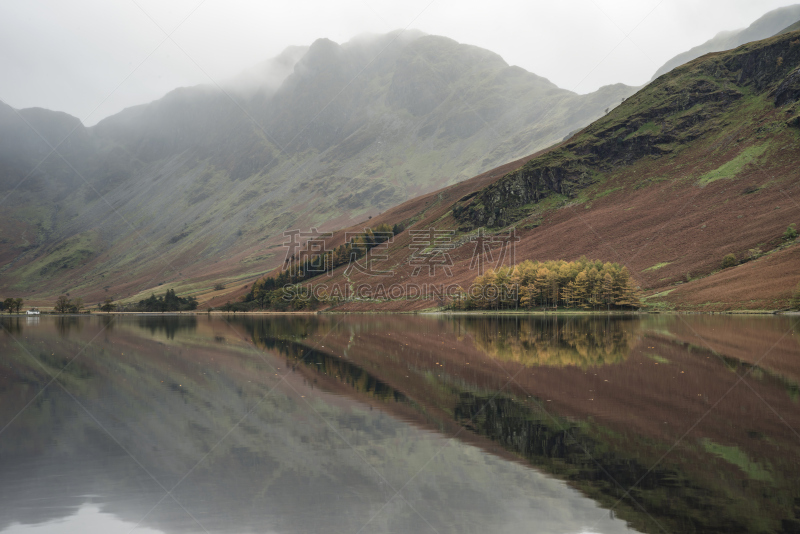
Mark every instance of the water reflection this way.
pixel 282 449
pixel 65 324
pixel 11 325
pixel 583 341
pixel 167 325
pixel 597 401
pixel 311 424
pixel 88 519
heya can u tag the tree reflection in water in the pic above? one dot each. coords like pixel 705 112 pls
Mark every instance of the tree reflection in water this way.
pixel 168 325
pixel 558 341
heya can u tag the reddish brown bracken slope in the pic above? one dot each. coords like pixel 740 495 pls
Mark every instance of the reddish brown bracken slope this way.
pixel 699 164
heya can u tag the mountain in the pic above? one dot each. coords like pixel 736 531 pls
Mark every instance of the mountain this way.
pixel 202 183
pixel 268 75
pixel 793 28
pixel 766 26
pixel 700 164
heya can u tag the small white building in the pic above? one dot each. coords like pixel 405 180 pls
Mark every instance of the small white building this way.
pixel 33 311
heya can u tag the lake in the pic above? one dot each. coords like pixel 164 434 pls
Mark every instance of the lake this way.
pixel 401 424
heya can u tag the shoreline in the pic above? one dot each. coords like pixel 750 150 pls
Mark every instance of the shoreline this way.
pixel 422 312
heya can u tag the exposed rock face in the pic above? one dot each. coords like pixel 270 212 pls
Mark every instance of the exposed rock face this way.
pixel 661 119
pixel 789 91
pixel 657 131
pixel 497 204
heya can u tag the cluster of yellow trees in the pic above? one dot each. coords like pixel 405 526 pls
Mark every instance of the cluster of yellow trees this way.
pixel 582 284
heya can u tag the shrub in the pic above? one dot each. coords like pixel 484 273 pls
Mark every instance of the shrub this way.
pixel 219 287
pixel 790 233
pixel 729 261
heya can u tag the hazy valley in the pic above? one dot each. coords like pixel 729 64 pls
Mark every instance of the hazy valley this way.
pixel 201 184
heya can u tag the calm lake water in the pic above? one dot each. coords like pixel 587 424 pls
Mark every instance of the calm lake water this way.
pixel 401 424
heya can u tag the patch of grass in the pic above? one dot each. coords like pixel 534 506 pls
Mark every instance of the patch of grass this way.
pixel 656 358
pixel 734 166
pixel 648 128
pixel 67 255
pixel 607 192
pixel 533 224
pixel 691 111
pixel 658 295
pixel 657 266
pixel 737 457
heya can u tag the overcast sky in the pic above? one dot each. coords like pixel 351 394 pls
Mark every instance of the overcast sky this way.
pixel 92 58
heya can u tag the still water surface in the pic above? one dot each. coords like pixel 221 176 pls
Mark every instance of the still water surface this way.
pixel 167 424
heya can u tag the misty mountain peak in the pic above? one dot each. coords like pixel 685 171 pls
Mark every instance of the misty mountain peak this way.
pixel 320 54
pixel 267 76
pixel 766 26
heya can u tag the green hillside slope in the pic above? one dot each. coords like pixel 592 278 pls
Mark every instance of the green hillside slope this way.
pixel 704 102
pixel 766 26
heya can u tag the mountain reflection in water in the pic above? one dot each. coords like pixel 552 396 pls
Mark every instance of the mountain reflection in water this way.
pixel 338 423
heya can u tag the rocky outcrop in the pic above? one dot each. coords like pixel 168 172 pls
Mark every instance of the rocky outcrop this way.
pixel 789 90
pixel 681 116
pixel 761 65
pixel 501 203
pixel 663 118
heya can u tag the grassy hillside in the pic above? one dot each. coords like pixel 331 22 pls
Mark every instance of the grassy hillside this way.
pixel 793 28
pixel 698 165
